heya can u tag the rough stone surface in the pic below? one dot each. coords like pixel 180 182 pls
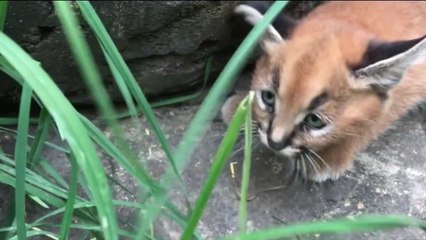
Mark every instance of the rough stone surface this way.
pixel 388 178
pixel 166 44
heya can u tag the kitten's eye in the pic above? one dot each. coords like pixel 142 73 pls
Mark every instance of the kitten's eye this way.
pixel 314 122
pixel 268 98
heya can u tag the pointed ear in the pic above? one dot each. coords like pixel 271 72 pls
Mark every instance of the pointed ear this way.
pixel 277 32
pixel 384 64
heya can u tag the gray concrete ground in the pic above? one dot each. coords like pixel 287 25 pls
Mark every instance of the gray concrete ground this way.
pixel 388 178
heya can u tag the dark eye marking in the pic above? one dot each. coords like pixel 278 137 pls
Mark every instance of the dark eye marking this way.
pixel 276 79
pixel 318 101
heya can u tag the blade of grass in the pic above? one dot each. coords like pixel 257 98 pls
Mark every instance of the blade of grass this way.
pixel 87 65
pixel 48 168
pixel 40 187
pixel 193 96
pixel 179 99
pixel 335 226
pixel 246 165
pixel 69 125
pixel 132 167
pixel 121 85
pixel 33 233
pixel 14 121
pixel 112 151
pixel 210 106
pixel 40 138
pixel 105 40
pixel 52 145
pixel 69 208
pixel 21 159
pixel 3 13
pixel 219 161
pixel 10 215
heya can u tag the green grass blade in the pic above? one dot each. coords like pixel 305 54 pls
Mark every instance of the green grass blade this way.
pixel 49 144
pixel 14 121
pixel 70 127
pixel 7 223
pixel 72 192
pixel 246 165
pixel 133 167
pixel 48 168
pixel 40 138
pixel 142 175
pixel 33 233
pixel 211 104
pixel 103 37
pixel 121 85
pixel 3 13
pixel 179 99
pixel 75 36
pixel 21 159
pixel 40 188
pixel 335 226
pixel 85 61
pixel 193 96
pixel 225 149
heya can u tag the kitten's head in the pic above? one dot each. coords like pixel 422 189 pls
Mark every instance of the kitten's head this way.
pixel 316 91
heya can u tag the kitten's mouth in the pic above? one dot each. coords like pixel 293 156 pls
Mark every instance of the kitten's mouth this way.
pixel 289 151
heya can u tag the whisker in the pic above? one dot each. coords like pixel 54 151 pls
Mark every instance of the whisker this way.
pixel 303 169
pixel 297 170
pixel 319 157
pixel 314 164
pixel 253 146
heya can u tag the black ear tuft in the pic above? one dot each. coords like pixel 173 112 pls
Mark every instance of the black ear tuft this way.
pixel 283 23
pixel 378 51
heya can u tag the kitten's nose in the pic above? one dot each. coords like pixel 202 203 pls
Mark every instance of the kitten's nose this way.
pixel 278 145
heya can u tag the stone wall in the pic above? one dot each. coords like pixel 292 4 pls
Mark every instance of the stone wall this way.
pixel 166 43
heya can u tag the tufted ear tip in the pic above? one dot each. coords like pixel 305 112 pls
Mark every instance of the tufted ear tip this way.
pixel 253 12
pixel 385 63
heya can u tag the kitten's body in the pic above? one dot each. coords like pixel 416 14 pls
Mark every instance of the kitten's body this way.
pixel 317 72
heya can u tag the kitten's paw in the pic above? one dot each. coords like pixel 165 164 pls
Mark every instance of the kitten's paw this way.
pixel 327 173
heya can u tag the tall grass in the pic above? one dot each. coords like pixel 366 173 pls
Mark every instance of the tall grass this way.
pixel 96 212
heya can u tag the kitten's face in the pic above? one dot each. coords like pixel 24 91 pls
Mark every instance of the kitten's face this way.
pixel 304 101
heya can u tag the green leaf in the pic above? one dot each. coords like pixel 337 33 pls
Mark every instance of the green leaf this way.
pixel 40 138
pixel 47 167
pixel 69 126
pixel 14 121
pixel 335 226
pixel 21 159
pixel 3 13
pixel 246 164
pixel 225 149
pixel 72 192
pixel 39 201
pixel 106 42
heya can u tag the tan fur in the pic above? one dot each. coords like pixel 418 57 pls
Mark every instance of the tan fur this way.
pixel 315 60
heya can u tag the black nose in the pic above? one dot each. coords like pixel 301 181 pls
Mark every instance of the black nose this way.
pixel 276 145
pixel 281 144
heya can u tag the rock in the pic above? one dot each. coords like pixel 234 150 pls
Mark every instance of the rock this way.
pixel 166 44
